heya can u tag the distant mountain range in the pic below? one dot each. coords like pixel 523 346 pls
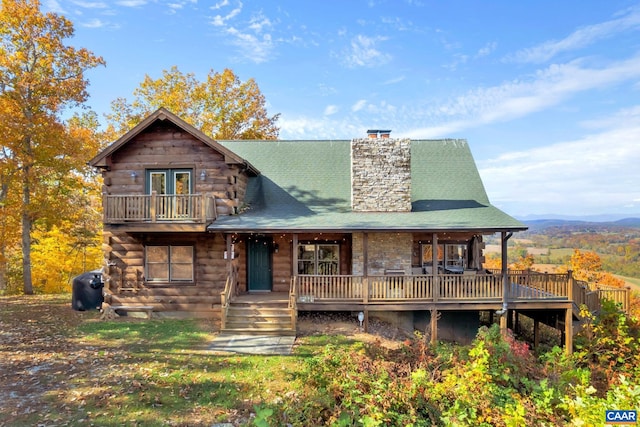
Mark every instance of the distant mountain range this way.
pixel 583 218
pixel 584 222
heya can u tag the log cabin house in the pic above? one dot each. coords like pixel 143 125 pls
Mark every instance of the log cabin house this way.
pixel 249 233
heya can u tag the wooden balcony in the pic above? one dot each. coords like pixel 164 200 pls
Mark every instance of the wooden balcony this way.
pixel 159 212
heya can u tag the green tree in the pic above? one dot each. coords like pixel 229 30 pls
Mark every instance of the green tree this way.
pixel 222 106
pixel 40 76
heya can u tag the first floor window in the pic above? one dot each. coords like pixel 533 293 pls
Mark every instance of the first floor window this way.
pixel 322 259
pixel 169 263
pixel 448 255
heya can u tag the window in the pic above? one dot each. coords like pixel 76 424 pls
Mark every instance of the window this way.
pixel 448 255
pixel 173 189
pixel 322 259
pixel 169 263
pixel 169 181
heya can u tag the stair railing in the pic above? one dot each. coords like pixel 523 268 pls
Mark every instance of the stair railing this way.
pixel 230 290
pixel 293 305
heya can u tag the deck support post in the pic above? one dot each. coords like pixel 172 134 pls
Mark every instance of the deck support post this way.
pixel 505 282
pixel 536 333
pixel 434 326
pixel 436 287
pixel 366 320
pixel 568 330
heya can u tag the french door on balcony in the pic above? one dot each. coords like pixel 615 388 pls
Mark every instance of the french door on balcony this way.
pixel 172 188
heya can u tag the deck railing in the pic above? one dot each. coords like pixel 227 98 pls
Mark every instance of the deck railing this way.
pixel 523 285
pixel 620 296
pixel 389 288
pixel 158 207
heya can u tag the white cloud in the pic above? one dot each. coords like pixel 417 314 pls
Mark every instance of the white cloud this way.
pixel 54 6
pixel 254 48
pixel 518 98
pixel 94 23
pixel 363 52
pixel 325 127
pixel 487 49
pixel 220 20
pixel 359 105
pixel 220 5
pixel 578 39
pixel 259 23
pixel 330 109
pixel 90 5
pixel 131 3
pixel 597 173
pixel 394 80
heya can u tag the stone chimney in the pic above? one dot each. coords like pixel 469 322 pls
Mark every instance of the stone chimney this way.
pixel 380 173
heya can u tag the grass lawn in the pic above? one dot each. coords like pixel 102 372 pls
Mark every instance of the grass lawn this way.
pixel 70 368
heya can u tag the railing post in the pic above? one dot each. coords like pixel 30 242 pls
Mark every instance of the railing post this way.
pixel 570 283
pixel 203 207
pixel 365 289
pixel 627 299
pixel 152 206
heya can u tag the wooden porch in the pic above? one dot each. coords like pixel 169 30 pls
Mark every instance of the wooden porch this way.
pixel 522 291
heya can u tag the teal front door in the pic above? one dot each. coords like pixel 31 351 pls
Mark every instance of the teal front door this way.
pixel 259 277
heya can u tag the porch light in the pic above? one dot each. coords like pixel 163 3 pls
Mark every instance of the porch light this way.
pixel 203 175
pixel 134 175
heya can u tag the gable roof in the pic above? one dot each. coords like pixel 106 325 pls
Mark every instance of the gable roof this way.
pixel 306 186
pixel 161 114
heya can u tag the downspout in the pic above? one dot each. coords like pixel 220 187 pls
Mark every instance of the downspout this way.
pixel 504 312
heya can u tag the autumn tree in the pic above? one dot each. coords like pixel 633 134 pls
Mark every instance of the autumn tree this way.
pixel 587 266
pixel 40 77
pixel 222 106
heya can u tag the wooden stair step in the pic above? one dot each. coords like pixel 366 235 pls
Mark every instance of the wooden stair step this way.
pixel 253 331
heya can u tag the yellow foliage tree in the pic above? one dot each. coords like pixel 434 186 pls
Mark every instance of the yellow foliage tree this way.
pixel 40 76
pixel 222 106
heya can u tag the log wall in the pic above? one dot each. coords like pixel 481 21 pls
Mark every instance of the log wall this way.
pixel 165 146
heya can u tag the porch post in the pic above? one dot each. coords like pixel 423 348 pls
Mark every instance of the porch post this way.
pixel 365 278
pixel 436 287
pixel 229 255
pixel 294 251
pixel 505 282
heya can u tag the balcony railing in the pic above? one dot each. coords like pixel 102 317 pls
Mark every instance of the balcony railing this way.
pixel 158 207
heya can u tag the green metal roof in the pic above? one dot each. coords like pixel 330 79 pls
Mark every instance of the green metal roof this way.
pixel 306 186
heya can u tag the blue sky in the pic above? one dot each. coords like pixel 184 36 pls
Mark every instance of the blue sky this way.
pixel 545 92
